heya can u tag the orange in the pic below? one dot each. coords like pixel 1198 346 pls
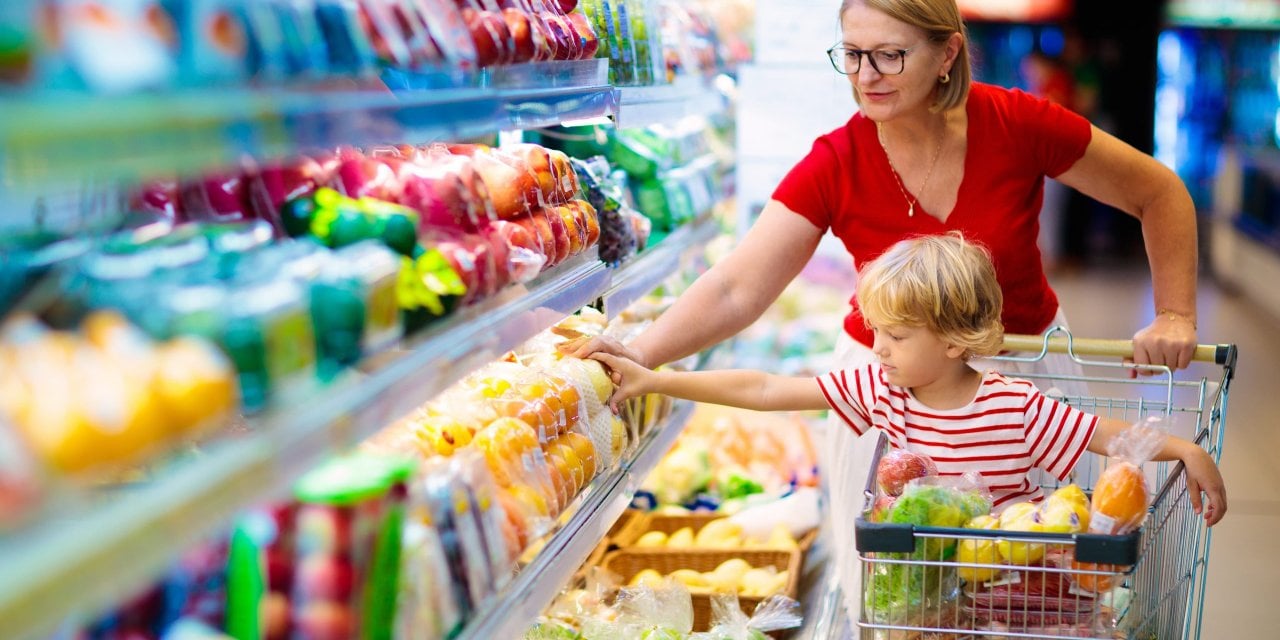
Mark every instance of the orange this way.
pixel 1093 582
pixel 1120 498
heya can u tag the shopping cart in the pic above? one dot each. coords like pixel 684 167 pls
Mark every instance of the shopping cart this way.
pixel 1144 585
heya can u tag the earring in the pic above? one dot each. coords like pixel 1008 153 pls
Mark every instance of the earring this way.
pixel 946 77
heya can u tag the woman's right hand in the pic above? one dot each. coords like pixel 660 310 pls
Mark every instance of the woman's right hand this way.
pixel 630 378
pixel 585 346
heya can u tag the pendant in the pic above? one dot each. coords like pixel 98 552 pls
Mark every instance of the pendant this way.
pixel 911 211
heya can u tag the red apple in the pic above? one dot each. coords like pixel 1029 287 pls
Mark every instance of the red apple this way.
pixel 325 577
pixel 880 508
pixel 567 46
pixel 159 197
pixel 587 36
pixel 323 620
pixel 538 227
pixel 538 159
pixel 217 197
pixel 367 177
pixel 505 185
pixel 567 6
pixel 898 467
pixel 559 232
pixel 277 183
pixel 521 34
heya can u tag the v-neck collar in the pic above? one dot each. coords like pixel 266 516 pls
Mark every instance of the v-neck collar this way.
pixel 892 175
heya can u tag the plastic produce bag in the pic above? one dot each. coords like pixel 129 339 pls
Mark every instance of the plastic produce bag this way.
pixel 1121 496
pixel 728 622
pixel 644 613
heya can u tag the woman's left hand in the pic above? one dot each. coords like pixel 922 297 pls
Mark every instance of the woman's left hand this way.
pixel 1169 340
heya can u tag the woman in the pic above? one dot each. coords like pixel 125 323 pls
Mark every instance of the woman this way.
pixel 931 152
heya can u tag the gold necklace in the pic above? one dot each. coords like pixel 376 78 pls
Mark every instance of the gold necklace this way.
pixel 911 202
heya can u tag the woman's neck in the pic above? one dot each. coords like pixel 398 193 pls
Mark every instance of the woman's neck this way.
pixel 926 127
pixel 955 388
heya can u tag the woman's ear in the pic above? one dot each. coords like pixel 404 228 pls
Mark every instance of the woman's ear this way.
pixel 951 51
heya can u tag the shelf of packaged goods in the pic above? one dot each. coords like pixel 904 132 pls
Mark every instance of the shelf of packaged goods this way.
pixel 510 613
pixel 85 553
pixel 644 273
pixel 50 138
pixel 1262 22
pixel 659 104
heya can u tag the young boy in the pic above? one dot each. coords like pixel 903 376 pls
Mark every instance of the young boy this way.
pixel 933 303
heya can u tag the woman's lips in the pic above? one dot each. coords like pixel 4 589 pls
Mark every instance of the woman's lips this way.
pixel 871 95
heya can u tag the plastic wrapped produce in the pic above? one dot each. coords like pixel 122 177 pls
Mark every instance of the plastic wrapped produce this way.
pixel 897 467
pixel 1120 496
pixel 617 235
pixel 729 622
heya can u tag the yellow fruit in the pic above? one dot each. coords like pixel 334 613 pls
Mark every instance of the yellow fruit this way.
pixel 682 538
pixel 648 578
pixel 652 539
pixel 1024 517
pixel 619 441
pixel 983 522
pixel 730 572
pixel 757 583
pixel 781 538
pixel 719 534
pixel 977 551
pixel 195 383
pixel 600 381
pixel 690 578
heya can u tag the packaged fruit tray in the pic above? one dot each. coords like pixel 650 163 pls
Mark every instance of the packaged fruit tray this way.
pixel 671 523
pixel 627 563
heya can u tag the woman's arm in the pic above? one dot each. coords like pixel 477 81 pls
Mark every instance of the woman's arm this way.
pixel 1202 473
pixel 1119 175
pixel 742 388
pixel 729 296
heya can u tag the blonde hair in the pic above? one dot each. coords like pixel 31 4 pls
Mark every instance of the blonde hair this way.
pixel 938 19
pixel 942 283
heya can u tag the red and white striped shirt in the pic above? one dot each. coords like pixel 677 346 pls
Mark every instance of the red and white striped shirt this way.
pixel 1008 429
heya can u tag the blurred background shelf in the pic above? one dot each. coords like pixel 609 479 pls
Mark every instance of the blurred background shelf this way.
pixel 665 104
pixel 511 613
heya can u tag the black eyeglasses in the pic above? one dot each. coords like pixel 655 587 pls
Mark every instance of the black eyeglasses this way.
pixel 888 62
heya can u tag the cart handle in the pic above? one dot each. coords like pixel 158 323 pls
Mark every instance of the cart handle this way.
pixel 1223 354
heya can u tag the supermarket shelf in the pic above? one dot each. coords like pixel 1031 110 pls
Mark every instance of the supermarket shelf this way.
pixel 87 554
pixel 512 611
pixel 640 276
pixel 47 138
pixel 688 96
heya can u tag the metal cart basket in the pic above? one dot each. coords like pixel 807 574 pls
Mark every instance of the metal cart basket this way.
pixel 931 583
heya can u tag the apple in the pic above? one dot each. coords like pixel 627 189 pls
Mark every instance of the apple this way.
pixel 567 187
pixel 590 42
pixel 560 233
pixel 279 566
pixel 324 620
pixel 518 239
pixel 881 507
pixel 488 48
pixel 275 616
pixel 521 34
pixel 277 183
pixel 217 197
pixel 588 219
pixel 898 467
pixel 537 159
pixel 576 230
pixel 159 197
pixel 325 577
pixel 366 178
pixel 504 185
pixel 567 6
pixel 538 226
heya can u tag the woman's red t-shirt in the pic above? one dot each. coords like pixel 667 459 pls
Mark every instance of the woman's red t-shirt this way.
pixel 846 185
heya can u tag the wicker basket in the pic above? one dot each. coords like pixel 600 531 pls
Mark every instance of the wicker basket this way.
pixel 629 526
pixel 669 524
pixel 628 562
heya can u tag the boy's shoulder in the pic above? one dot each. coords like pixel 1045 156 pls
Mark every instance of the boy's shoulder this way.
pixel 993 380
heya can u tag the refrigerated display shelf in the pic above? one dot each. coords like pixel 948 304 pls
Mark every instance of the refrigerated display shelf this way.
pixel 88 550
pixel 55 138
pixel 687 96
pixel 515 609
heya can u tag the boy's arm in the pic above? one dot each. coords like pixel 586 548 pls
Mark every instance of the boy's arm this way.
pixel 741 388
pixel 1202 473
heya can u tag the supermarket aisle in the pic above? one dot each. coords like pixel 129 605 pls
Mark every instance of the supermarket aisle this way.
pixel 1243 576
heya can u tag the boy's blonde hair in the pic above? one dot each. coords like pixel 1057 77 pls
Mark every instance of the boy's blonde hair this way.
pixel 942 283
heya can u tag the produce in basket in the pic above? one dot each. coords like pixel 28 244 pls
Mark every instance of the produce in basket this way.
pixel 898 467
pixel 978 551
pixel 1120 496
pixel 728 622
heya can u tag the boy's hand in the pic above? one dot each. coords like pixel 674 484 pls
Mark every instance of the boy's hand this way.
pixel 1203 475
pixel 630 378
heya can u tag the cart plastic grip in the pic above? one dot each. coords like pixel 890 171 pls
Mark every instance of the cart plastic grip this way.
pixel 1215 353
pixel 884 537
